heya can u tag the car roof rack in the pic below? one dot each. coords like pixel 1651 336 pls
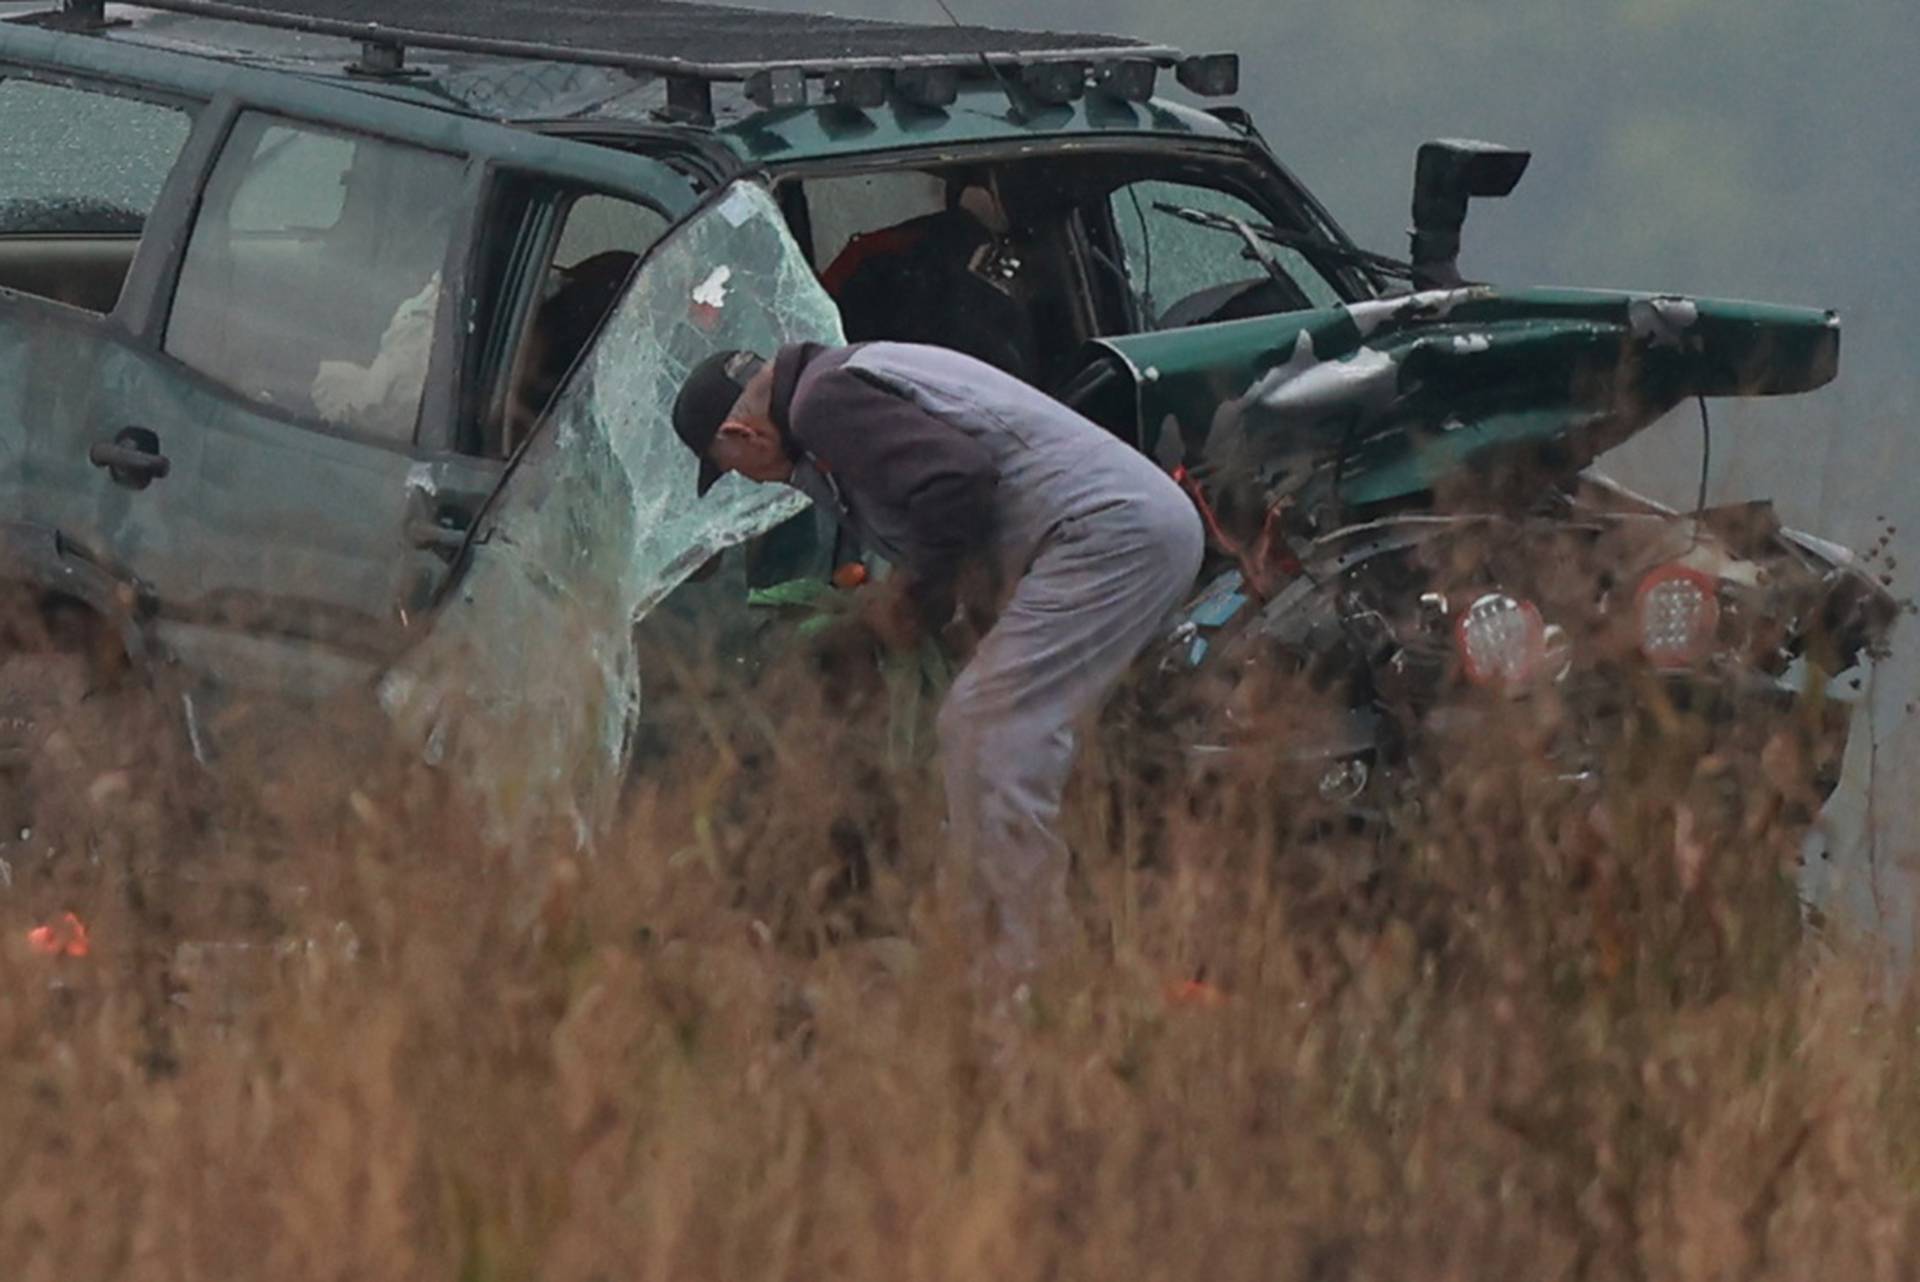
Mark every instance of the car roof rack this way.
pixel 692 45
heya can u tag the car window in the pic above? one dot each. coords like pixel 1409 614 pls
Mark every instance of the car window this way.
pixel 312 278
pixel 601 239
pixel 80 171
pixel 842 208
pixel 1171 260
pixel 297 182
pixel 597 224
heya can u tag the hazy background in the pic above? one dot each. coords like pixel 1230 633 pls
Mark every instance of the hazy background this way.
pixel 1743 148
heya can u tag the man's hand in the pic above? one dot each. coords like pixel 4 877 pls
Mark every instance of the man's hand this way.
pixel 890 614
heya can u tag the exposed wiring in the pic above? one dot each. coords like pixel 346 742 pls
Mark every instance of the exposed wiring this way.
pixel 1706 465
pixel 1706 458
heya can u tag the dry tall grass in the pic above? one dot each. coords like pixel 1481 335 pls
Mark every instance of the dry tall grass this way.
pixel 323 1032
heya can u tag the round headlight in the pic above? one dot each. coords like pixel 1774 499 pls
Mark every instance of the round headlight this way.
pixel 1501 640
pixel 1678 611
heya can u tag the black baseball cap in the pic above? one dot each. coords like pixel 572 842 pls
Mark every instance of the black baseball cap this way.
pixel 706 398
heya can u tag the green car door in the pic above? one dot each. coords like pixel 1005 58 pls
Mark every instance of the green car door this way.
pixel 261 443
pixel 527 673
pixel 83 164
pixel 304 330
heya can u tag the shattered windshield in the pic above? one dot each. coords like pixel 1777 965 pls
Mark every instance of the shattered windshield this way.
pixel 1172 259
pixel 1285 249
pixel 526 678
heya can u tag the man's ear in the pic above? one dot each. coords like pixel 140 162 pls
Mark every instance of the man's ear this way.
pixel 752 429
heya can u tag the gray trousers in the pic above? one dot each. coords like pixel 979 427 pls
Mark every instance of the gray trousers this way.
pixel 1100 588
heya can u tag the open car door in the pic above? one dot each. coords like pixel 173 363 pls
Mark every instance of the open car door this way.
pixel 526 683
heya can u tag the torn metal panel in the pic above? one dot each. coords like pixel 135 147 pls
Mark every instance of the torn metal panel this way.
pixel 1306 385
pixel 1398 392
pixel 526 682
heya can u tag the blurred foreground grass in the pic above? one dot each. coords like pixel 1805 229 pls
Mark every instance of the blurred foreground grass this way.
pixel 321 1031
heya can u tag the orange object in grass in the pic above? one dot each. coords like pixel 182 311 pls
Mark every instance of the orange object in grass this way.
pixel 849 576
pixel 64 938
pixel 1194 992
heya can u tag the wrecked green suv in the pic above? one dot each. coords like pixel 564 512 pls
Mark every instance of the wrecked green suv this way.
pixel 336 349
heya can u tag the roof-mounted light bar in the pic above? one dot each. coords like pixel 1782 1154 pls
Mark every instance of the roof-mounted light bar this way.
pixel 632 59
pixel 1211 75
pixel 860 87
pixel 1128 79
pixel 777 87
pixel 1054 83
pixel 1048 75
pixel 928 86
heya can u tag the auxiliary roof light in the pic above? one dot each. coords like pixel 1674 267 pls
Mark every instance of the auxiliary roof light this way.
pixel 860 87
pixel 1211 75
pixel 1128 79
pixel 928 86
pixel 1054 83
pixel 777 87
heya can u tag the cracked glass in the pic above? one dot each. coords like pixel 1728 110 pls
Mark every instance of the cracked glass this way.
pixel 526 684
pixel 78 161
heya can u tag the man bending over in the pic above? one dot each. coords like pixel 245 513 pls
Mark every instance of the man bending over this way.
pixel 942 464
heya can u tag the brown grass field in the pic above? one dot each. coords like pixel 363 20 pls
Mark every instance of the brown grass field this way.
pixel 322 1030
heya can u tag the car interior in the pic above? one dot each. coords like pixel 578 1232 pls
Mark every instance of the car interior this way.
pixel 1017 261
pixel 585 246
pixel 1021 261
pixel 86 270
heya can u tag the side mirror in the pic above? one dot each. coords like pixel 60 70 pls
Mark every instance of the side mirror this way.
pixel 1447 173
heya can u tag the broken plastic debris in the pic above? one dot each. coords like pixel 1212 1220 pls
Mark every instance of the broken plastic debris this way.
pixel 64 938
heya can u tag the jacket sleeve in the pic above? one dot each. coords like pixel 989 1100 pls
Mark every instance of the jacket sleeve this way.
pixel 888 451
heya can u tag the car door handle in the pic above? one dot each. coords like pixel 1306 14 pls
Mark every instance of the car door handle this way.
pixel 132 458
pixel 129 459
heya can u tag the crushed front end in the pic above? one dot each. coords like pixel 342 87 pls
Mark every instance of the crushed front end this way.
pixel 1401 512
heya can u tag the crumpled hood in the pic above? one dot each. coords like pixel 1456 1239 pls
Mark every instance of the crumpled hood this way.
pixel 1407 389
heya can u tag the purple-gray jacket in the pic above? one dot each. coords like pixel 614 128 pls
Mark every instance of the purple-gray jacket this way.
pixel 934 459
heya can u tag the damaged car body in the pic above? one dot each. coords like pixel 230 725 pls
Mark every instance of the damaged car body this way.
pixel 336 350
